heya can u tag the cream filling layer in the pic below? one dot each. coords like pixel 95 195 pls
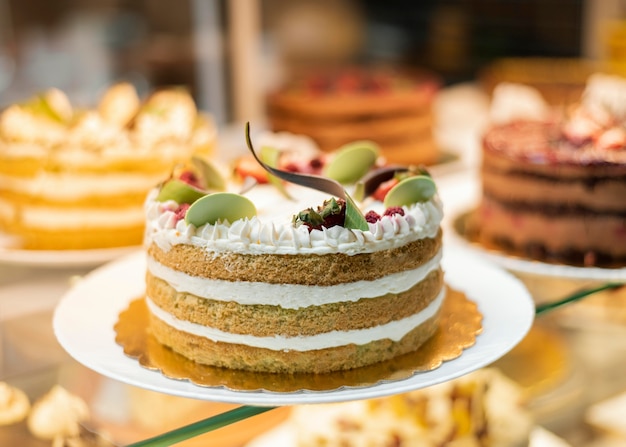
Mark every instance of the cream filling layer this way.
pixel 290 296
pixel 67 187
pixel 48 218
pixel 394 331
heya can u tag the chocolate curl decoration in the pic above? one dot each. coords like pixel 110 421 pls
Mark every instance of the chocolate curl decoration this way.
pixel 354 217
pixel 373 179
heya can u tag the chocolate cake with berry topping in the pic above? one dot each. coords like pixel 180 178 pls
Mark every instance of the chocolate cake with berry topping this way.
pixel 554 187
pixel 297 278
pixel 391 107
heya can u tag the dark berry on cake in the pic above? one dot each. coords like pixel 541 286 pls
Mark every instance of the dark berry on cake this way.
pixel 191 178
pixel 372 216
pixel 181 211
pixel 330 214
pixel 392 210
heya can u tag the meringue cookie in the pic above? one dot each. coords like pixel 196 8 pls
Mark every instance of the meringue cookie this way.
pixel 57 413
pixel 14 404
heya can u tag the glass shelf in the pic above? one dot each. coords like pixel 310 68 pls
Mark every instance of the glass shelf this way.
pixel 247 411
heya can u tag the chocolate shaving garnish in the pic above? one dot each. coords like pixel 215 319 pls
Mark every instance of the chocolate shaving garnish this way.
pixel 373 179
pixel 354 217
pixel 317 182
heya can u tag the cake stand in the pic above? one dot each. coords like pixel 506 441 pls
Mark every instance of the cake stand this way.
pixel 81 323
pixel 11 254
pixel 85 318
pixel 84 322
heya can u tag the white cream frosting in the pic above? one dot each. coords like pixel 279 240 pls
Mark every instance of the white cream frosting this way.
pixel 271 231
pixel 394 330
pixel 290 296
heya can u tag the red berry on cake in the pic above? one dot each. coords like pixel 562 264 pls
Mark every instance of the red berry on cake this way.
pixel 393 210
pixel 190 178
pixel 181 211
pixel 372 216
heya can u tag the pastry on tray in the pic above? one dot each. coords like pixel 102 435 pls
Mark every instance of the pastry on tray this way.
pixel 57 418
pixel 483 408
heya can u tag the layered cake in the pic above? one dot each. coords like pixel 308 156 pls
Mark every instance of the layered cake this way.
pixel 391 107
pixel 483 408
pixel 77 178
pixel 294 279
pixel 554 183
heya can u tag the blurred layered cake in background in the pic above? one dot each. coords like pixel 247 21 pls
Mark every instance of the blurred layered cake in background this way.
pixel 390 107
pixel 77 178
pixel 483 408
pixel 554 180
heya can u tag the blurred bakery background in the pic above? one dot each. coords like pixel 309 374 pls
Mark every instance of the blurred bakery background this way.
pixel 230 54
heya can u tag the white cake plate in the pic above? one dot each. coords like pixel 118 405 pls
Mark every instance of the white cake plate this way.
pixel 84 319
pixel 535 268
pixel 59 258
